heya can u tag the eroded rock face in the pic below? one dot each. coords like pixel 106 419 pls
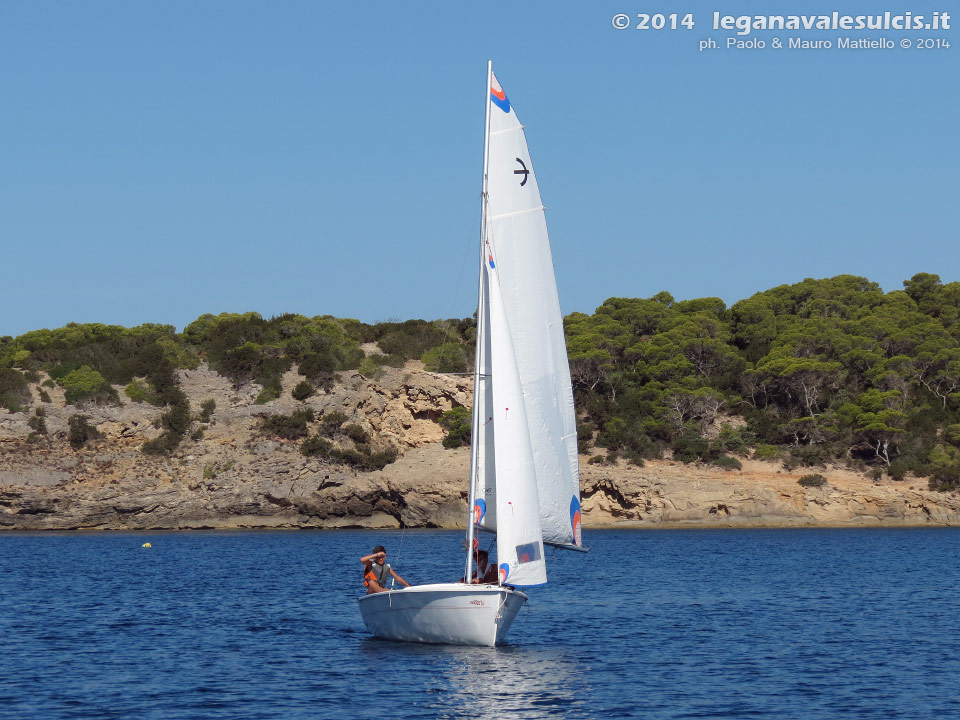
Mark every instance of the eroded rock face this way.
pixel 234 477
pixel 668 494
pixel 424 488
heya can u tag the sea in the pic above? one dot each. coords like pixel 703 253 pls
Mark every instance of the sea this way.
pixel 805 623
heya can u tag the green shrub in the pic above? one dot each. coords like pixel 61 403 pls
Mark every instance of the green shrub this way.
pixel 44 396
pixel 944 479
pixel 14 389
pixel 690 447
pixel 730 440
pixel 22 359
pixel 330 422
pixel 584 438
pixel 457 422
pixel 807 455
pixel 356 433
pixel 630 439
pixel 38 423
pixel 176 354
pixel 951 433
pixel 898 470
pixel 271 391
pixel 206 409
pixel 316 446
pixel 86 384
pixel 302 390
pixel 412 338
pixel 141 391
pixel 445 358
pixel 370 368
pixel 766 452
pixel 175 422
pixel 596 460
pixel 289 427
pixel 944 467
pixel 80 431
pixel 10 403
pixel 317 365
pixel 727 463
pixel 362 459
pixel 379 460
pixel 815 480
pixel 614 434
pixel 394 361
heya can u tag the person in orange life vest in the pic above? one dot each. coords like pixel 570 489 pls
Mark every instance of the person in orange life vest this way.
pixel 376 570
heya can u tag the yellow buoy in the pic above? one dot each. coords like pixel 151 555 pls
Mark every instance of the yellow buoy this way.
pixel 146 545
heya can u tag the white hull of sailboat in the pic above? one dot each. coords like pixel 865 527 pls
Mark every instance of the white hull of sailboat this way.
pixel 443 613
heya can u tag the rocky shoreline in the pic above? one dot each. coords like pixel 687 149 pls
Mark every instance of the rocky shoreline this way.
pixel 232 476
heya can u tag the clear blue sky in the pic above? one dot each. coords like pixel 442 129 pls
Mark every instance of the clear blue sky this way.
pixel 160 160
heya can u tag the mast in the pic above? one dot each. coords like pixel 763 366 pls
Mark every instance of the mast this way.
pixel 475 419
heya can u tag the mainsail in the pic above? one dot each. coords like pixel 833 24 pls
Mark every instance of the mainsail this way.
pixel 521 356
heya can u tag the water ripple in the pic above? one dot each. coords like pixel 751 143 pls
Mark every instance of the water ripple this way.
pixel 812 624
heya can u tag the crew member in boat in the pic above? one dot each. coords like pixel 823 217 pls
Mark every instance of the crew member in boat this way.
pixel 376 571
pixel 485 572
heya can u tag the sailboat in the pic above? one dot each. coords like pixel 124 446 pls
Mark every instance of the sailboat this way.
pixel 524 471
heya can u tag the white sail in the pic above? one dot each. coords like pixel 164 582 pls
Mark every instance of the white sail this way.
pixel 520 556
pixel 516 232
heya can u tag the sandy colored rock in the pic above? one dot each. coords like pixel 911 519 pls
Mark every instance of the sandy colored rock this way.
pixel 233 476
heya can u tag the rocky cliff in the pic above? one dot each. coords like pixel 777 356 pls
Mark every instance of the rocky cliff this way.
pixel 233 476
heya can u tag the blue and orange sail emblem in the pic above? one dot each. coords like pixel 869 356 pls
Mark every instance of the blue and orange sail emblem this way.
pixel 575 521
pixel 497 96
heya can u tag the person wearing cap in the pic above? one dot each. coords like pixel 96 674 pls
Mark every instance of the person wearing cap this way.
pixel 376 571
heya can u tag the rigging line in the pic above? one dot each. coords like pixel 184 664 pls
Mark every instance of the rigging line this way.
pixel 403 532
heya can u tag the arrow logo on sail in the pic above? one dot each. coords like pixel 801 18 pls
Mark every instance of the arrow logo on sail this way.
pixel 523 171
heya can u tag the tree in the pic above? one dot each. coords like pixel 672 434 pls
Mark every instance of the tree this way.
pixel 938 370
pixel 804 379
pixel 457 422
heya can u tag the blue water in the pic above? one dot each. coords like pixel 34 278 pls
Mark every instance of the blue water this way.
pixel 676 624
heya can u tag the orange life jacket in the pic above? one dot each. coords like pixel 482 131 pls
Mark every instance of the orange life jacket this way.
pixel 371 574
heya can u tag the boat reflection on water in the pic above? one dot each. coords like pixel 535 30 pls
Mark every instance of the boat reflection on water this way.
pixel 490 682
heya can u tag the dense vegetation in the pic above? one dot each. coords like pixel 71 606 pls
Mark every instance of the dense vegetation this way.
pixel 88 361
pixel 822 370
